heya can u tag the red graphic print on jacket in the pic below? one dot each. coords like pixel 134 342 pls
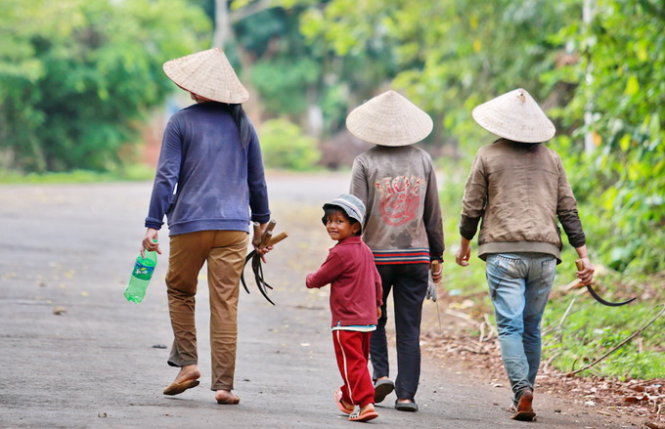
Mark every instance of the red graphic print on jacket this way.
pixel 399 198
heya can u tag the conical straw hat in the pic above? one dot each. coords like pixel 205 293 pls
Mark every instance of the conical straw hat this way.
pixel 389 119
pixel 208 74
pixel 515 116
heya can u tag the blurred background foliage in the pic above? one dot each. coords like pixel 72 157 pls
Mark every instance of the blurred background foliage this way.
pixel 285 147
pixel 79 79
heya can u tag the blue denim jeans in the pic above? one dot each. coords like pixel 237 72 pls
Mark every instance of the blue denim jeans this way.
pixel 519 285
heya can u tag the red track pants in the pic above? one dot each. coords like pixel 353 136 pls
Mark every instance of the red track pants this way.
pixel 352 350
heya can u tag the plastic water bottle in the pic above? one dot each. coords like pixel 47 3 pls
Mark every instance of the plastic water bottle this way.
pixel 144 267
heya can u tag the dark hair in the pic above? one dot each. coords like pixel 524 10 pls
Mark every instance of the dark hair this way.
pixel 242 122
pixel 529 147
pixel 329 210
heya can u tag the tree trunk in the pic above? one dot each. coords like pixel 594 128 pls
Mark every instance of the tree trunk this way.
pixel 224 36
pixel 222 24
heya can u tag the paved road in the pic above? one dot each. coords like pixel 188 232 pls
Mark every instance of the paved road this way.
pixel 69 249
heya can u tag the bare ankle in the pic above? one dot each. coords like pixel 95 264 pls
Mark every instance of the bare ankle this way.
pixel 368 407
pixel 188 372
pixel 223 396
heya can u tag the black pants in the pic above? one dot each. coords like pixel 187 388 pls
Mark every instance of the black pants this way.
pixel 409 285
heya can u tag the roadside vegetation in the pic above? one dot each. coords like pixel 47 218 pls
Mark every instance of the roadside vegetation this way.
pixel 79 79
pixel 125 173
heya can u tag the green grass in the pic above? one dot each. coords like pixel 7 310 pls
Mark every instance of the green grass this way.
pixel 591 330
pixel 137 172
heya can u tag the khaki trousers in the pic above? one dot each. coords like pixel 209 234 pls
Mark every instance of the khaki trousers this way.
pixel 224 251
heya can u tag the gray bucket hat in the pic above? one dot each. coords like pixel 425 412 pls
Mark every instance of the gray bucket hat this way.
pixel 352 206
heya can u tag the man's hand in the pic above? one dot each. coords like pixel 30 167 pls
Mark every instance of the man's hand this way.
pixel 585 269
pixel 585 275
pixel 464 253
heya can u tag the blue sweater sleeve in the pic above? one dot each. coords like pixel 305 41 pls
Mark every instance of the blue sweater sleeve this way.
pixel 166 178
pixel 258 191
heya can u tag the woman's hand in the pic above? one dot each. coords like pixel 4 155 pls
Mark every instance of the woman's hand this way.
pixel 262 251
pixel 150 242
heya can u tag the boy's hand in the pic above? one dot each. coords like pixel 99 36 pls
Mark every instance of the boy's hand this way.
pixel 378 312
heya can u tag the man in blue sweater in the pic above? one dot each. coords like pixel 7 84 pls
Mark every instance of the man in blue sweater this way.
pixel 210 184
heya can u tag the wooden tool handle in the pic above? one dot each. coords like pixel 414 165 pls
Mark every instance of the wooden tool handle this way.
pixel 256 239
pixel 265 238
pixel 276 239
pixel 580 264
pixel 271 225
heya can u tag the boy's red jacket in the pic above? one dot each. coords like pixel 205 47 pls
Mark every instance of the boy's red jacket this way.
pixel 355 283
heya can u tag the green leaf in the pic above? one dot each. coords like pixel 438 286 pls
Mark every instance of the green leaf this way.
pixel 624 143
pixel 632 86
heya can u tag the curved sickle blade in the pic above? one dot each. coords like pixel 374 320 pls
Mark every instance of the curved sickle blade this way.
pixel 258 277
pixel 242 273
pixel 257 269
pixel 607 303
pixel 242 280
pixel 263 280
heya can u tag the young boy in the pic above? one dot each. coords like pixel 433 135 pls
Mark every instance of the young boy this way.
pixel 356 297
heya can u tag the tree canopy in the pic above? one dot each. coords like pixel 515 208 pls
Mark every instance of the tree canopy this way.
pixel 76 76
pixel 607 67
